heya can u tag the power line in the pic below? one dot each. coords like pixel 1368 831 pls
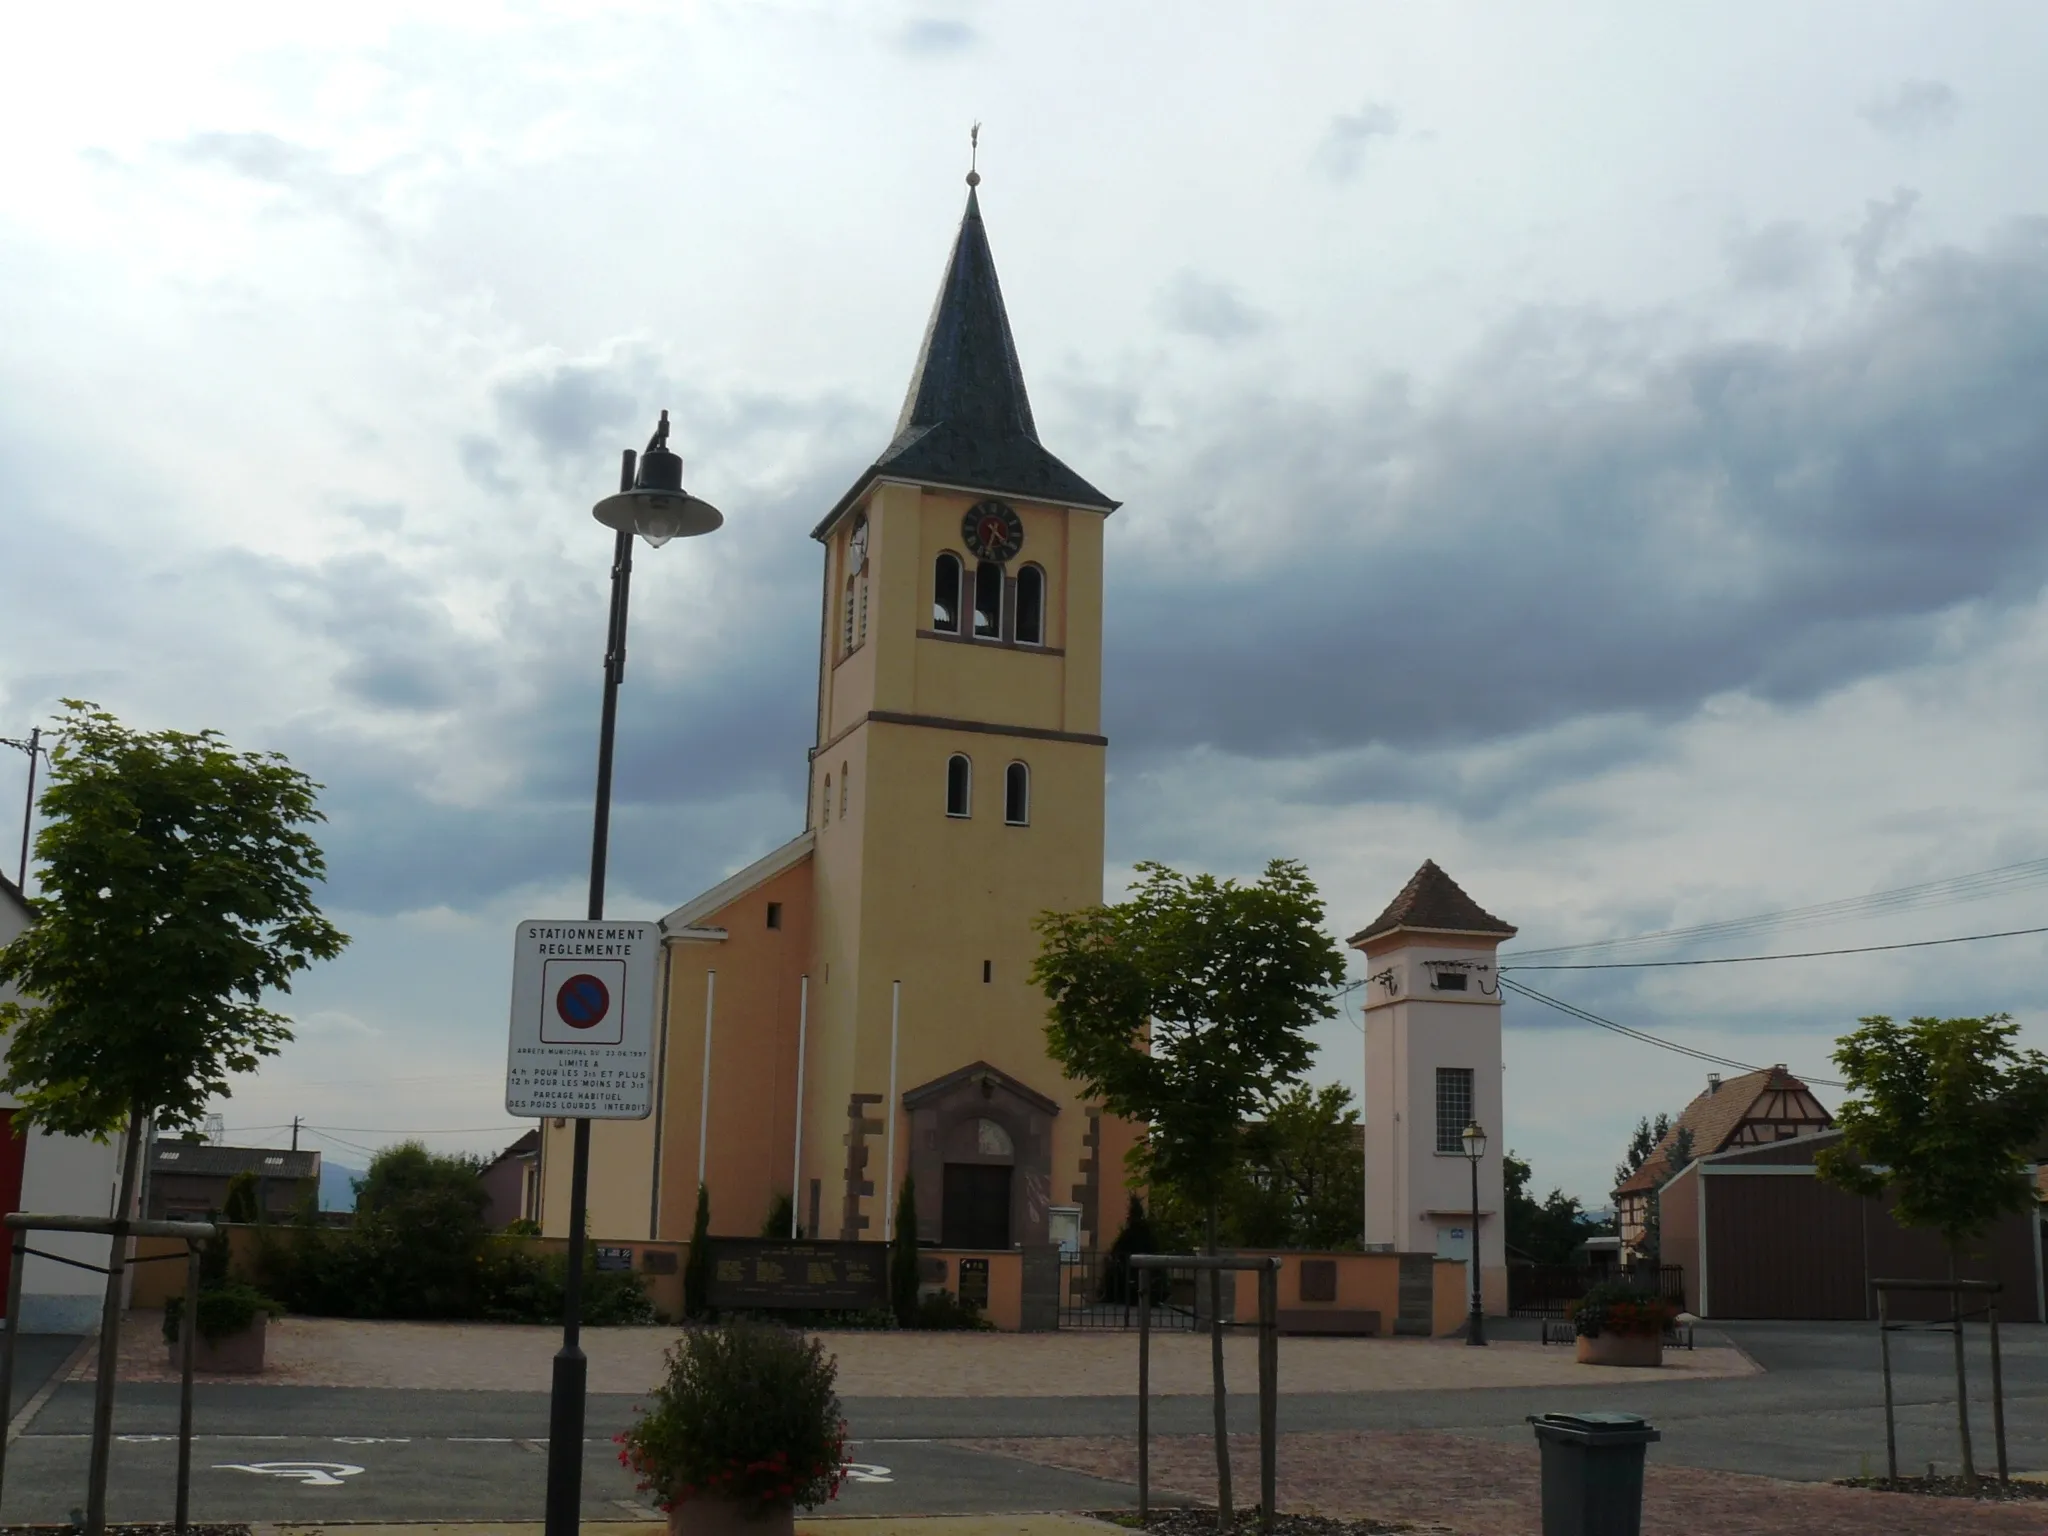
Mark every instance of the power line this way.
pixel 1644 1036
pixel 1929 893
pixel 1806 954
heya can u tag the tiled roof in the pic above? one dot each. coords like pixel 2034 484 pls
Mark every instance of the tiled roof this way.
pixel 966 418
pixel 1712 1117
pixel 205 1160
pixel 527 1145
pixel 1433 902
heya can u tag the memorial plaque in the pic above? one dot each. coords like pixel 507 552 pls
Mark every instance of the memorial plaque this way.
pixel 759 1274
pixel 609 1258
pixel 974 1283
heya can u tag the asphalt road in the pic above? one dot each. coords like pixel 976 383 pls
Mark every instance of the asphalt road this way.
pixel 297 1453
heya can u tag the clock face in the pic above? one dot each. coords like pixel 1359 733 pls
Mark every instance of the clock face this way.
pixel 992 531
pixel 857 546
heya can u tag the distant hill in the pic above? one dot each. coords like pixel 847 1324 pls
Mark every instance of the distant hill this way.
pixel 337 1186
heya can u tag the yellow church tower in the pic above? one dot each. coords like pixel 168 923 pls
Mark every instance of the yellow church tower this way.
pixel 857 1006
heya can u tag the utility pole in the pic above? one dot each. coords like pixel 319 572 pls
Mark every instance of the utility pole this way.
pixel 295 1133
pixel 36 750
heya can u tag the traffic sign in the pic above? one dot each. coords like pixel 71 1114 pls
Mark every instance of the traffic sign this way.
pixel 582 1044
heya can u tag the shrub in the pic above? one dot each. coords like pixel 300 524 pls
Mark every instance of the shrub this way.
pixel 697 1266
pixel 942 1309
pixel 747 1413
pixel 1120 1283
pixel 903 1257
pixel 1618 1307
pixel 780 1218
pixel 223 1310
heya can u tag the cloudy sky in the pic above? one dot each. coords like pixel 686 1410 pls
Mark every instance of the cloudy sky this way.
pixel 1605 453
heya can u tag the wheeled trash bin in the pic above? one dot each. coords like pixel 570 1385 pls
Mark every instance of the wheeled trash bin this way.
pixel 1592 1472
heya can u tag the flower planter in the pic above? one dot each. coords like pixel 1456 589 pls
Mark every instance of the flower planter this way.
pixel 233 1354
pixel 1612 1348
pixel 711 1514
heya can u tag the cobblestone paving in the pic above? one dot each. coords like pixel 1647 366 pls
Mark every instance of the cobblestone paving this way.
pixel 336 1352
pixel 1487 1488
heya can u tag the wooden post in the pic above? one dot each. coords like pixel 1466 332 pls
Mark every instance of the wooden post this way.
pixel 1997 1396
pixel 1269 1389
pixel 1144 1279
pixel 188 1332
pixel 1955 1313
pixel 1891 1428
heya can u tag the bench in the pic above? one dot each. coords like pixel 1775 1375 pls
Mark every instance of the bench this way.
pixel 1330 1320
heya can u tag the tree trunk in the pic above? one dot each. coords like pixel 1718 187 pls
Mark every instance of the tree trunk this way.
pixel 110 1334
pixel 1226 1516
pixel 1955 1302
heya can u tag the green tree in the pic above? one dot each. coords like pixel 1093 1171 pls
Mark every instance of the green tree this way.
pixel 1119 1280
pixel 1302 1181
pixel 176 894
pixel 1646 1138
pixel 1187 1007
pixel 697 1266
pixel 1549 1231
pixel 903 1256
pixel 1943 1116
pixel 781 1218
pixel 240 1203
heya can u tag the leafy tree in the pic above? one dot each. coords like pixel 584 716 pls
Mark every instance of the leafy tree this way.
pixel 903 1257
pixel 417 1234
pixel 240 1203
pixel 1304 1171
pixel 1187 1007
pixel 176 893
pixel 1944 1116
pixel 780 1219
pixel 697 1266
pixel 1119 1280
pixel 1647 1137
pixel 1548 1231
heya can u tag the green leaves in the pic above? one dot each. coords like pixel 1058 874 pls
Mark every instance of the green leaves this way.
pixel 176 892
pixel 1946 1114
pixel 1220 980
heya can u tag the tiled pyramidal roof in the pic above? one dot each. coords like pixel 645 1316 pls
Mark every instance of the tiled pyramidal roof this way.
pixel 967 419
pixel 1433 901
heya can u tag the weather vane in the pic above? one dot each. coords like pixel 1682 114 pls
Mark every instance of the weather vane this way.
pixel 973 154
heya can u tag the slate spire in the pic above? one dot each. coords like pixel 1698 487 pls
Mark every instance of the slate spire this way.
pixel 966 420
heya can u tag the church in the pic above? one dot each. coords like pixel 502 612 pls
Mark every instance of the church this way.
pixel 856 1006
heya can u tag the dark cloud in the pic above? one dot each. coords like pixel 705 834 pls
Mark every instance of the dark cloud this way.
pixel 934 35
pixel 1199 306
pixel 1912 109
pixel 564 407
pixel 1345 141
pixel 1584 522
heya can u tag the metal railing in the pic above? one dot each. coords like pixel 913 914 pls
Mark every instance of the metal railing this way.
pixel 1099 1291
pixel 194 1233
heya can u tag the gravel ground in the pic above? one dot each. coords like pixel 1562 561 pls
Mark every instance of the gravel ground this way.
pixel 1202 1522
pixel 1479 1487
pixel 2015 1492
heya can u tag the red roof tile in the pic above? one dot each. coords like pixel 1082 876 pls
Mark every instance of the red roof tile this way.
pixel 1432 902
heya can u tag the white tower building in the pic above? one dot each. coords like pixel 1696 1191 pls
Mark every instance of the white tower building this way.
pixel 1433 1063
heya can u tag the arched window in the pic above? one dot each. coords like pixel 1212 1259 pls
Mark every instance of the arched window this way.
pixel 988 600
pixel 959 785
pixel 1031 606
pixel 845 783
pixel 825 805
pixel 1017 795
pixel 946 594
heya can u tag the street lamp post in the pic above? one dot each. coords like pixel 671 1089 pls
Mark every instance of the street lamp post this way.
pixel 36 752
pixel 1474 1138
pixel 651 503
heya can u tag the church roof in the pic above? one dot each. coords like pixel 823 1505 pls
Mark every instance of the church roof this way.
pixel 733 887
pixel 966 418
pixel 1433 902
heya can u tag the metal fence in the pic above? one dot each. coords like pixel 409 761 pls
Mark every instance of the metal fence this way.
pixel 1100 1291
pixel 1546 1290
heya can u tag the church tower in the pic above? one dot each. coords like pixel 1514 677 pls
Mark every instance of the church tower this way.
pixel 957 790
pixel 856 1006
pixel 1433 1063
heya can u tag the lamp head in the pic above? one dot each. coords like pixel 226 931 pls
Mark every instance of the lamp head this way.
pixel 1474 1138
pixel 657 507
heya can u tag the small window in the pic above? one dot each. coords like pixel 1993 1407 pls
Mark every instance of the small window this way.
pixel 1031 606
pixel 845 783
pixel 846 624
pixel 959 785
pixel 863 633
pixel 825 805
pixel 1017 795
pixel 1453 1107
pixel 988 971
pixel 774 914
pixel 946 594
pixel 988 600
pixel 1447 981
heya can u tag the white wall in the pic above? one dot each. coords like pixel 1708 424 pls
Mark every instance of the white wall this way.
pixel 63 1176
